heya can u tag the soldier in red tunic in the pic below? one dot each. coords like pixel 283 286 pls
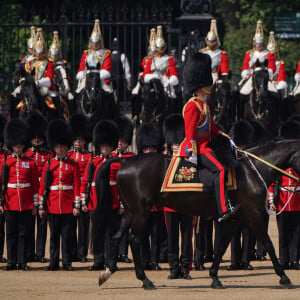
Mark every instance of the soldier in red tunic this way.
pixel 125 131
pixel 19 194
pixel 284 198
pixel 41 155
pixel 199 127
pixel 297 80
pixel 60 196
pixel 3 154
pixel 81 134
pixel 105 140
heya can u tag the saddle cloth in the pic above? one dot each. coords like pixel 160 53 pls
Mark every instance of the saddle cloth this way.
pixel 182 176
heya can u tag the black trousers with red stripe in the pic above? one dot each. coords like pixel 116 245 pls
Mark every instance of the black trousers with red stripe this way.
pixel 209 160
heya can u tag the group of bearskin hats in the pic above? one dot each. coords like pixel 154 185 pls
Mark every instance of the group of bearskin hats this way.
pixel 60 132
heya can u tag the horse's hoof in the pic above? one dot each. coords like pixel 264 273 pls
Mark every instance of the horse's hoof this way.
pixel 148 285
pixel 216 284
pixel 103 276
pixel 285 282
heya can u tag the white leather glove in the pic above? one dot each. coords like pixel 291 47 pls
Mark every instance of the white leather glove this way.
pixel 173 80
pixel 297 77
pixel 193 159
pixel 281 85
pixel 245 74
pixel 17 91
pixel 81 74
pixel 43 82
pixel 104 74
pixel 149 77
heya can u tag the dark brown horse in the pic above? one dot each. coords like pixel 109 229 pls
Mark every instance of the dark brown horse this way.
pixel 139 182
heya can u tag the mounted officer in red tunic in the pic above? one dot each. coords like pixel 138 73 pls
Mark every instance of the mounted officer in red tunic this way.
pixel 199 127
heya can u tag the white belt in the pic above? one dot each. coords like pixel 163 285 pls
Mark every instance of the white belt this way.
pixel 61 187
pixel 111 183
pixel 289 188
pixel 18 185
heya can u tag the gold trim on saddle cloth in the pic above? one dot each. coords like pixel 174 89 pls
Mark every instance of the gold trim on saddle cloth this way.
pixel 49 102
pixel 180 178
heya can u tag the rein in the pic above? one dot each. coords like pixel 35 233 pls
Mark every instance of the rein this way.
pixel 246 153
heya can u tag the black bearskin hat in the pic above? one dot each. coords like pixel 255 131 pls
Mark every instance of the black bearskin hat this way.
pixel 125 129
pixel 105 132
pixel 37 125
pixel 197 73
pixel 290 130
pixel 2 126
pixel 242 133
pixel 59 132
pixel 80 127
pixel 173 129
pixel 16 132
pixel 149 135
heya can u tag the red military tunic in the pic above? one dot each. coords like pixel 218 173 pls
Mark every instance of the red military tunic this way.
pixel 281 75
pixel 40 156
pixel 219 60
pixel 163 64
pixel 102 56
pixel 82 157
pixel 42 69
pixel 250 59
pixel 65 188
pixel 22 187
pixel 285 193
pixel 98 161
pixel 298 68
pixel 199 126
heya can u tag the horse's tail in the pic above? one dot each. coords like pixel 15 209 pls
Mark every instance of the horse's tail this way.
pixel 104 201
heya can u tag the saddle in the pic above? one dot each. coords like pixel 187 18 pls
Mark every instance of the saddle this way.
pixel 182 176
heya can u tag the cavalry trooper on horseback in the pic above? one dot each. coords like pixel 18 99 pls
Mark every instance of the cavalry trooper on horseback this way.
pixel 219 58
pixel 263 56
pixel 61 81
pixel 162 66
pixel 15 95
pixel 279 77
pixel 199 127
pixel 297 80
pixel 135 101
pixel 96 58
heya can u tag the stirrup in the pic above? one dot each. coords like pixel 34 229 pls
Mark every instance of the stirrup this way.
pixel 231 211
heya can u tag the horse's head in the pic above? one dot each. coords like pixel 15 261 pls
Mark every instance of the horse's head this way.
pixel 19 73
pixel 260 79
pixel 93 84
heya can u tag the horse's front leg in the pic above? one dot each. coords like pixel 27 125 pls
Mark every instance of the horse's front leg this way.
pixel 224 232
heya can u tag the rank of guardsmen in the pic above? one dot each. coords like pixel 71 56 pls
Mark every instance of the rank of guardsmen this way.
pixel 48 165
